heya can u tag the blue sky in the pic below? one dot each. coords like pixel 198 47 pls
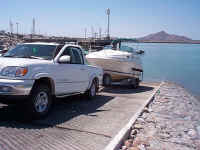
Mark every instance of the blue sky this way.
pixel 129 18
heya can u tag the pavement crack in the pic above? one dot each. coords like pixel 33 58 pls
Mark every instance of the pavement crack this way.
pixel 78 130
pixel 69 128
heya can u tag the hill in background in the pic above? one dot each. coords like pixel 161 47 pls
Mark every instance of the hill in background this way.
pixel 164 37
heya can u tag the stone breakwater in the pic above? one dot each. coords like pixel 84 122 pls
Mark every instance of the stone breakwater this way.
pixel 170 121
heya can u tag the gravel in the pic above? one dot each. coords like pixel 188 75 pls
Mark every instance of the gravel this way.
pixel 170 121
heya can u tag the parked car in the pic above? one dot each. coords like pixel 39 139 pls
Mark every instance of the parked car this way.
pixel 34 73
pixel 2 50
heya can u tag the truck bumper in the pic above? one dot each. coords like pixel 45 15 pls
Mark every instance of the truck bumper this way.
pixel 15 87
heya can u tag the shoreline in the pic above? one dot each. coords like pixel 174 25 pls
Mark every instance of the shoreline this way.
pixel 170 121
pixel 185 89
pixel 197 96
pixel 170 42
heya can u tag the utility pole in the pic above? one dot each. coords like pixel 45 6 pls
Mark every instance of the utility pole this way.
pixel 33 26
pixel 85 33
pixel 108 32
pixel 95 35
pixel 17 28
pixel 11 28
pixel 100 33
pixel 92 31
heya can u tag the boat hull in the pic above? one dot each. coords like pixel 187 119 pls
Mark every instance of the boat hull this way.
pixel 118 69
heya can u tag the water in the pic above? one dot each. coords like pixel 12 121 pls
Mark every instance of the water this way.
pixel 179 63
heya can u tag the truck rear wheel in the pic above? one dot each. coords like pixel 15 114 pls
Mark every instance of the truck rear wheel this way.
pixel 92 92
pixel 40 102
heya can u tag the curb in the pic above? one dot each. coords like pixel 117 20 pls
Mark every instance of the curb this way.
pixel 116 142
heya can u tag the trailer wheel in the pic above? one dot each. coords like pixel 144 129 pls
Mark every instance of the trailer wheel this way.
pixel 107 80
pixel 135 85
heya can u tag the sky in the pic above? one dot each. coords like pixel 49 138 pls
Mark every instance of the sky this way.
pixel 128 18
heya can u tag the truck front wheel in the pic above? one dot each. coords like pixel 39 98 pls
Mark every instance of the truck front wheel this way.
pixel 40 101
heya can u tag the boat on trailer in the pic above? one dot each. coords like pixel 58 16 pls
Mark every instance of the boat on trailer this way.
pixel 121 62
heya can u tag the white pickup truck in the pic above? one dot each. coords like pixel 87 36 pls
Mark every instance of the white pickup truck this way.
pixel 38 72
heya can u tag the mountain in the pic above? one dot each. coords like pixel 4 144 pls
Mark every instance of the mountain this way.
pixel 162 36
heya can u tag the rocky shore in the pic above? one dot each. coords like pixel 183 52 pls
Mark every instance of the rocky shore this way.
pixel 170 121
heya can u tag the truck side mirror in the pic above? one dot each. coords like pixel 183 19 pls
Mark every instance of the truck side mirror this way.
pixel 64 59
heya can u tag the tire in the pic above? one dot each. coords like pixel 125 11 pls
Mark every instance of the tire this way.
pixel 92 92
pixel 135 85
pixel 107 80
pixel 40 101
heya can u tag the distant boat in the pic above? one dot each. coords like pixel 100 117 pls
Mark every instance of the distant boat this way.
pixel 139 51
pixel 120 62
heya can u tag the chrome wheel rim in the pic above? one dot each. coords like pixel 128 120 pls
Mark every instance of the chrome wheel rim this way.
pixel 93 90
pixel 41 102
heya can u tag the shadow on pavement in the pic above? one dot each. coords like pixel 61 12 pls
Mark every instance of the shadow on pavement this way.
pixel 64 110
pixel 115 89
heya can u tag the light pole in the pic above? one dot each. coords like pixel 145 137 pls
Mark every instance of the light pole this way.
pixel 108 32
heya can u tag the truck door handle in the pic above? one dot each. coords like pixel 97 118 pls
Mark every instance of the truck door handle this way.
pixel 82 68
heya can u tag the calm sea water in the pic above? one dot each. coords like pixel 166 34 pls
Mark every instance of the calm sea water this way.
pixel 179 63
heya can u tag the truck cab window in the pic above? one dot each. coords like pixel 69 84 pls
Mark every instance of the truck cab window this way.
pixel 68 51
pixel 77 56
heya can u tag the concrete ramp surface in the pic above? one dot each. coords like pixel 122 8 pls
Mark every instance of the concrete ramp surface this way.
pixel 75 123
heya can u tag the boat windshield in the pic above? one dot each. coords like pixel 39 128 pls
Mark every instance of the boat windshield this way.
pixel 126 49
